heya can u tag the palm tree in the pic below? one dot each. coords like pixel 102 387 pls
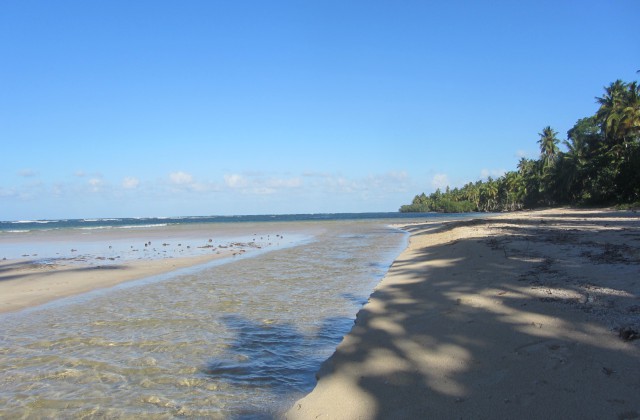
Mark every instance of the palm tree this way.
pixel 630 121
pixel 619 118
pixel 548 156
pixel 489 194
pixel 531 172
pixel 572 163
pixel 611 108
pixel 526 166
pixel 548 146
pixel 471 193
pixel 514 190
pixel 577 148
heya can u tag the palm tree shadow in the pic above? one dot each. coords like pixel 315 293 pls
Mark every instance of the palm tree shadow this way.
pixel 24 269
pixel 442 345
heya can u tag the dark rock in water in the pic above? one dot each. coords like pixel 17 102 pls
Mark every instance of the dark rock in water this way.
pixel 629 334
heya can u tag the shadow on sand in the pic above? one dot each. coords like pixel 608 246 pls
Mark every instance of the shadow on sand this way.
pixel 23 269
pixel 465 329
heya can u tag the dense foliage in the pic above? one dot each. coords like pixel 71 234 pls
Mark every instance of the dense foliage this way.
pixel 601 165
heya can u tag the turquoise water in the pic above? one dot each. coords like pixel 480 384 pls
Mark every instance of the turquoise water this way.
pixel 239 339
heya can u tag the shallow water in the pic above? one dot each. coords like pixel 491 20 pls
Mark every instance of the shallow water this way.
pixel 236 340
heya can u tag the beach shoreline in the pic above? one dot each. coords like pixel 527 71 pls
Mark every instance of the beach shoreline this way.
pixel 521 315
pixel 239 337
pixel 49 265
pixel 26 283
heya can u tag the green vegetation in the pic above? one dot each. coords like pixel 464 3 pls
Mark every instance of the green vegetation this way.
pixel 601 166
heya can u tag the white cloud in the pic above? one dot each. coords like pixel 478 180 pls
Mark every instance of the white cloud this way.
pixel 204 187
pixel 493 173
pixel 233 192
pixel 58 189
pixel 95 184
pixel 440 181
pixel 312 174
pixel 130 182
pixel 180 178
pixel 398 176
pixel 522 154
pixel 373 185
pixel 183 181
pixel 235 181
pixel 340 184
pixel 389 182
pixel 260 184
pixel 284 182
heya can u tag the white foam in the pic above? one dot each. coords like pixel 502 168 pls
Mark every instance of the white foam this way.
pixel 142 226
pixel 34 221
pixel 95 227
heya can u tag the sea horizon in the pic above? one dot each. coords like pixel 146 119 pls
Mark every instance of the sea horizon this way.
pixel 27 225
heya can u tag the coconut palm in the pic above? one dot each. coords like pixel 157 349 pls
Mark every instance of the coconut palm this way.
pixel 514 188
pixel 489 195
pixel 610 113
pixel 548 146
pixel 619 161
pixel 630 121
pixel 472 193
pixel 583 139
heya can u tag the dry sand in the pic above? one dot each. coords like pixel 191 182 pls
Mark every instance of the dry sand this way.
pixel 525 315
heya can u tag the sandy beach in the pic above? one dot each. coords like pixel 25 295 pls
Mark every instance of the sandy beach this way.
pixel 68 263
pixel 523 315
pixel 24 283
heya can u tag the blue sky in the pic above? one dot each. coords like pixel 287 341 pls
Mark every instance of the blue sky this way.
pixel 167 108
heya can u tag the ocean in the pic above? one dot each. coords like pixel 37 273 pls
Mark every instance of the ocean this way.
pixel 24 226
pixel 235 338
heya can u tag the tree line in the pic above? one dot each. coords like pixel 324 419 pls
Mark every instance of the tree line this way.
pixel 600 166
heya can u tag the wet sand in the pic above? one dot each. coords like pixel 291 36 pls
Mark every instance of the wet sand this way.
pixel 68 263
pixel 25 283
pixel 525 315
